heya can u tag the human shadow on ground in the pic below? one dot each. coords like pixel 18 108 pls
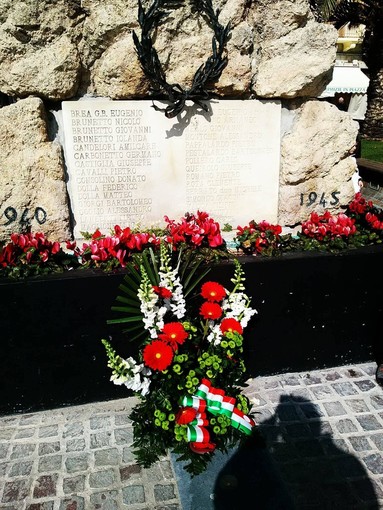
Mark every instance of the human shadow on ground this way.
pixel 292 462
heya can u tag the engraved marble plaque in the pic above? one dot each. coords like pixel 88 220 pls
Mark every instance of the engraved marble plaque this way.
pixel 130 165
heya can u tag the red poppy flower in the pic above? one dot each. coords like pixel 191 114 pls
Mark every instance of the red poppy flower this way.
pixel 162 292
pixel 202 447
pixel 210 310
pixel 213 291
pixel 158 355
pixel 186 415
pixel 174 334
pixel 231 324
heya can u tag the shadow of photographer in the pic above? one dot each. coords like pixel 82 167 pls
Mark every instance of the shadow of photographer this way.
pixel 292 462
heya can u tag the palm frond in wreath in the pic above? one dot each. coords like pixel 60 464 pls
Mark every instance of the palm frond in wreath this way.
pixel 191 273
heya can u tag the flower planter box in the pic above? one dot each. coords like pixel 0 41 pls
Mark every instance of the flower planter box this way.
pixel 314 311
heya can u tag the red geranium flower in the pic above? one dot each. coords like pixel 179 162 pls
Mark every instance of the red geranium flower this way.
pixel 210 310
pixel 231 324
pixel 213 291
pixel 158 355
pixel 202 447
pixel 173 333
pixel 162 292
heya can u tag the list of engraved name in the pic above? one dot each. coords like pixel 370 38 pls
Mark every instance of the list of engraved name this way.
pixel 113 150
pixel 219 162
pixel 129 165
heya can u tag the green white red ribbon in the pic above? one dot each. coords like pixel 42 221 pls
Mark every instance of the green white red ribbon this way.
pixel 214 400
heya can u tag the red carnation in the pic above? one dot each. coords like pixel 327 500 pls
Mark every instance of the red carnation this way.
pixel 210 310
pixel 174 334
pixel 158 355
pixel 186 415
pixel 202 447
pixel 162 292
pixel 213 291
pixel 231 325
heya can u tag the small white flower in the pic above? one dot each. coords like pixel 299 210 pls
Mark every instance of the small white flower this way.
pixel 145 386
pixel 135 378
pixel 237 306
pixel 215 336
pixel 118 380
pixel 247 314
pixel 153 333
pixel 161 312
pixel 176 303
pixel 134 383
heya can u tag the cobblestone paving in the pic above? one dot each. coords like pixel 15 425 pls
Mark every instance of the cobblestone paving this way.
pixel 373 192
pixel 323 429
pixel 79 458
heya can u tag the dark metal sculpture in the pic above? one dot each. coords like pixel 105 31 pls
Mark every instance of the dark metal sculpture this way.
pixel 206 74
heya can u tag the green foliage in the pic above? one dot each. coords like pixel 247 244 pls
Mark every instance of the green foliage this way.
pixel 33 255
pixel 300 243
pixel 192 269
pixel 227 228
pixel 115 362
pixel 161 295
pixel 372 149
pixel 61 263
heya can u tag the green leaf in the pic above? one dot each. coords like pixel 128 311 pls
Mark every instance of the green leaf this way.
pixel 134 328
pixel 191 284
pixel 128 301
pixel 124 309
pixel 123 320
pixel 151 272
pixel 129 291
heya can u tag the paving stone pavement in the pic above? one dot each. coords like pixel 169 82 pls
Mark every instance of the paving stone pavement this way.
pixel 323 431
pixel 373 192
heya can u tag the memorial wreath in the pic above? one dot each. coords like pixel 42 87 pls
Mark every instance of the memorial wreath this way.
pixel 188 369
pixel 206 74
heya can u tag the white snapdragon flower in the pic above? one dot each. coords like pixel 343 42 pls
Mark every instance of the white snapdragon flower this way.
pixel 153 318
pixel 153 314
pixel 136 377
pixel 179 303
pixel 247 315
pixel 118 380
pixel 139 385
pixel 121 379
pixel 134 383
pixel 215 336
pixel 161 314
pixel 149 317
pixel 145 383
pixel 236 306
pixel 148 306
pixel 153 333
pixel 176 303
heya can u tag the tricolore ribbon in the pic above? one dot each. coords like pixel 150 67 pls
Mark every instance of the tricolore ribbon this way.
pixel 214 400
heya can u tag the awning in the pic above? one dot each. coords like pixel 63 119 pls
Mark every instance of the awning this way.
pixel 358 106
pixel 346 80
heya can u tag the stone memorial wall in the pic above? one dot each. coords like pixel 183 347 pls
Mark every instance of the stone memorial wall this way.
pixel 281 155
pixel 129 165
